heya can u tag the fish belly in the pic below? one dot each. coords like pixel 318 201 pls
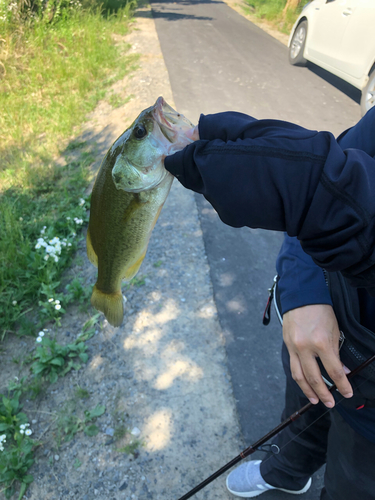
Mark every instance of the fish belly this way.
pixel 123 244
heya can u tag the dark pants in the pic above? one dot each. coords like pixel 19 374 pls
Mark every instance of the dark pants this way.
pixel 314 440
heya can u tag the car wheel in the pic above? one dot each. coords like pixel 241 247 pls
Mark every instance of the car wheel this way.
pixel 297 45
pixel 368 94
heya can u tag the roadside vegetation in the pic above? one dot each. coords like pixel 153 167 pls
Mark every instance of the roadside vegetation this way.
pixel 281 14
pixel 56 63
pixel 57 60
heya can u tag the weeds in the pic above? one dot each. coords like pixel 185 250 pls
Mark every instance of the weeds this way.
pixel 52 72
pixel 52 359
pixel 137 281
pixel 69 424
pixel 131 448
pixel 81 393
pixel 16 446
pixel 273 11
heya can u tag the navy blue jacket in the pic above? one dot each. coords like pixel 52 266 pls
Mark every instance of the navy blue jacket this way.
pixel 320 190
pixel 275 175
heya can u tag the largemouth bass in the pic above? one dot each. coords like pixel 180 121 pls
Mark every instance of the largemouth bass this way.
pixel 128 195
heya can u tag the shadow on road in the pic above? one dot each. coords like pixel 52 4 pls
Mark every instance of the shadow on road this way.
pixel 344 87
pixel 173 16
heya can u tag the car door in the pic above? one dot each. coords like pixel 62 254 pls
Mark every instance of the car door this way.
pixel 326 31
pixel 357 49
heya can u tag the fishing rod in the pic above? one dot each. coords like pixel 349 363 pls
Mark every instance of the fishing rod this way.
pixel 256 446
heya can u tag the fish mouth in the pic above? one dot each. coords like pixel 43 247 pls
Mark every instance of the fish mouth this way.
pixel 166 117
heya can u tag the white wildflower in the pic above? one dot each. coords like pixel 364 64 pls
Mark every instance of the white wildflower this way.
pixel 14 302
pixel 81 202
pixel 57 301
pixel 41 333
pixel 39 339
pixel 68 218
pixel 3 439
pixel 57 307
pixel 28 432
pixel 46 257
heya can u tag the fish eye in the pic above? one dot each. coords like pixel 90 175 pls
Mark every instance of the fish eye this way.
pixel 140 131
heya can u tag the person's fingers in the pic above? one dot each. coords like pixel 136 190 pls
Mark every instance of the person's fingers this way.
pixel 299 377
pixel 315 380
pixel 336 372
pixel 193 134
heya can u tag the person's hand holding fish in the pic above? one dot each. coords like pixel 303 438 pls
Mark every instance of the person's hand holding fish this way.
pixel 129 192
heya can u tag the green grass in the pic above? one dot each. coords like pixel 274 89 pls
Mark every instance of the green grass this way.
pixel 53 74
pixel 272 11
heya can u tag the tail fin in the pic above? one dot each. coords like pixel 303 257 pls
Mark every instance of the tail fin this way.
pixel 111 304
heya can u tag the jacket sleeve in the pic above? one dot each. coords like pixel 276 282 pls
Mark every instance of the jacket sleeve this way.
pixel 301 281
pixel 275 175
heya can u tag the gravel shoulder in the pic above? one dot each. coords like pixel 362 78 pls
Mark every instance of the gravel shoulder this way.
pixel 170 418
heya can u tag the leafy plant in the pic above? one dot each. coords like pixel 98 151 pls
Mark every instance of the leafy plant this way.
pixel 53 359
pixel 10 416
pixel 69 423
pixel 16 447
pixel 15 461
pixel 76 292
pixel 81 393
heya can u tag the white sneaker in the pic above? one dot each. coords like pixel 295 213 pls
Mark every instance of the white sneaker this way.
pixel 246 481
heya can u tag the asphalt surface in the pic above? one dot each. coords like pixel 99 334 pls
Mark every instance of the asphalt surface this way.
pixel 217 60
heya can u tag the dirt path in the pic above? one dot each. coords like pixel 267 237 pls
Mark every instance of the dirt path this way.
pixel 162 376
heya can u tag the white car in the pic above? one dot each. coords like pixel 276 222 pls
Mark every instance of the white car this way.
pixel 339 36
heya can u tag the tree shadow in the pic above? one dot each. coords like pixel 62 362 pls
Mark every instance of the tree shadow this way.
pixel 171 15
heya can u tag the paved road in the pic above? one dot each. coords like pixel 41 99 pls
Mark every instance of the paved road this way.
pixel 217 60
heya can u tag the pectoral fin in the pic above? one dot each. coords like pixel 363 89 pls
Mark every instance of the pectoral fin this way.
pixel 93 258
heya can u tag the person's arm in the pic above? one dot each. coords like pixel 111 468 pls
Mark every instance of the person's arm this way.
pixel 310 328
pixel 361 136
pixel 275 175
